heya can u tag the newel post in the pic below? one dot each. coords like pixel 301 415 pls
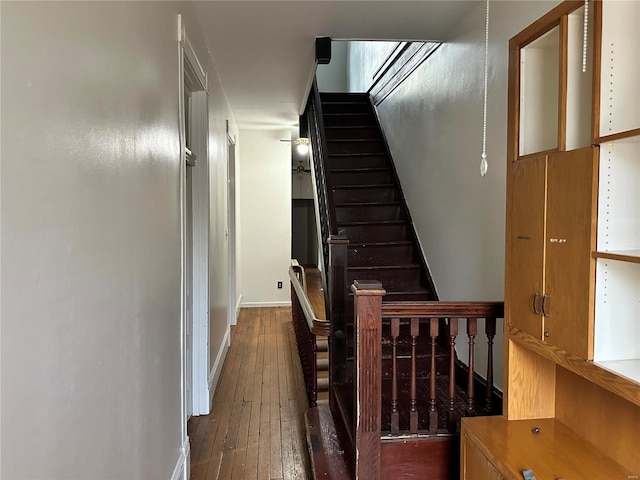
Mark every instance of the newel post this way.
pixel 337 281
pixel 368 381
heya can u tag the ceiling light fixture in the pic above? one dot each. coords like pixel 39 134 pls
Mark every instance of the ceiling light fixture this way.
pixel 302 145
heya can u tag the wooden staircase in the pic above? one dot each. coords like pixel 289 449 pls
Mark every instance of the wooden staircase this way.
pixel 369 207
pixel 424 389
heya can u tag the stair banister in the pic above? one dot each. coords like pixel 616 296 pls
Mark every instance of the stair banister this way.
pixel 307 326
pixel 368 387
pixel 312 124
pixel 337 315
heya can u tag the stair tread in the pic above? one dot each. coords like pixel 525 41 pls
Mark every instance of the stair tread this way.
pixel 415 290
pixel 360 170
pixel 327 461
pixel 345 102
pixel 368 185
pixel 377 222
pixel 356 154
pixel 380 244
pixel 337 127
pixel 368 204
pixel 355 114
pixel 403 266
pixel 345 140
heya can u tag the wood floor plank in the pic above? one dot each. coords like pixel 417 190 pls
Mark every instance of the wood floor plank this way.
pixel 255 429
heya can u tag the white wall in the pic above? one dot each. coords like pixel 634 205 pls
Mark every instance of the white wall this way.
pixel 332 77
pixel 90 333
pixel 433 123
pixel 265 200
pixel 364 60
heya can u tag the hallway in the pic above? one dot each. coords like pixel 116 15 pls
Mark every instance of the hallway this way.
pixel 255 429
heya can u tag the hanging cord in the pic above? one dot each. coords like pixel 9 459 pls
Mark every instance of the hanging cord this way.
pixel 585 35
pixel 484 165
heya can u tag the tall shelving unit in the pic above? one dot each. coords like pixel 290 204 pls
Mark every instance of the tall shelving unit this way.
pixel 572 295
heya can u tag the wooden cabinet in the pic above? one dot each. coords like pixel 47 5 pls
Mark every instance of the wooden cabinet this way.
pixel 494 448
pixel 572 287
pixel 551 233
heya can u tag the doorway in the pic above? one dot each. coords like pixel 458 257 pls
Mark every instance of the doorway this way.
pixel 194 174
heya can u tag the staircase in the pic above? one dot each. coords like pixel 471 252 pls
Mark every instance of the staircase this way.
pixel 369 206
pixel 424 389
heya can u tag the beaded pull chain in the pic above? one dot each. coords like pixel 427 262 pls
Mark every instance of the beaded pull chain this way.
pixel 484 165
pixel 585 35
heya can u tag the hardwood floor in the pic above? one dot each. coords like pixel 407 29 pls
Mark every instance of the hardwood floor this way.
pixel 255 429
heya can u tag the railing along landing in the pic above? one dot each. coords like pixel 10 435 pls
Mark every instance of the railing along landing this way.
pixel 307 327
pixel 398 391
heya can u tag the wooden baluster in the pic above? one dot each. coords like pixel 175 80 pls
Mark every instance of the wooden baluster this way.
pixel 472 331
pixel 453 333
pixel 413 411
pixel 433 413
pixel 395 416
pixel 490 331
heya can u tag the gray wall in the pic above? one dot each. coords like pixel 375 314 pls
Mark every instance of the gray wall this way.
pixel 433 123
pixel 333 76
pixel 91 248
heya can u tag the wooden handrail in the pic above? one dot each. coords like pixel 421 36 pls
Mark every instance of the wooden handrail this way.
pixel 443 309
pixel 317 326
pixel 324 150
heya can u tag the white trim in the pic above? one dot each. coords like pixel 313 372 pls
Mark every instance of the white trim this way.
pixel 181 470
pixel 238 307
pixel 200 251
pixel 191 75
pixel 196 67
pixel 216 370
pixel 266 304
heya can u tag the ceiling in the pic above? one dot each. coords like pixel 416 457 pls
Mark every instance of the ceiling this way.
pixel 263 51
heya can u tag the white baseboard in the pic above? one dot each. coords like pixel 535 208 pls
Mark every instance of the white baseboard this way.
pixel 266 304
pixel 181 470
pixel 216 370
pixel 238 305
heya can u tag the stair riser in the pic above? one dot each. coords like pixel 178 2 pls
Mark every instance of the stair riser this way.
pixel 357 161
pixel 344 97
pixel 349 120
pixel 339 179
pixel 351 133
pixel 394 279
pixel 376 194
pixel 369 214
pixel 346 107
pixel 387 255
pixel 355 146
pixel 424 297
pixel 375 233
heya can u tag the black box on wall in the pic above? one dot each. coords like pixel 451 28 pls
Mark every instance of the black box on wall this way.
pixel 323 50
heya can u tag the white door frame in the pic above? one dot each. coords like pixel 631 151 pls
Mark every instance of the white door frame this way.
pixel 191 76
pixel 231 227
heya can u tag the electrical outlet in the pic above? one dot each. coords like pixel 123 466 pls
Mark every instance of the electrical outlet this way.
pixel 279 284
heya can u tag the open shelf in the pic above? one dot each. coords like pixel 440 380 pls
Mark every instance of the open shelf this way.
pixel 539 93
pixel 620 66
pixel 632 256
pixel 629 369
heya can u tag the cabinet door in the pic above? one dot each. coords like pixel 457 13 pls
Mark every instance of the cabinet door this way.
pixel 475 466
pixel 570 239
pixel 525 243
